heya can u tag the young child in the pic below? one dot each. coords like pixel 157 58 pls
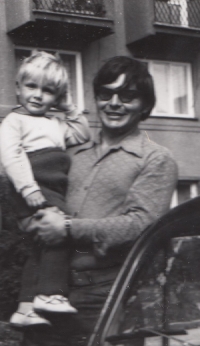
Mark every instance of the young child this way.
pixel 33 142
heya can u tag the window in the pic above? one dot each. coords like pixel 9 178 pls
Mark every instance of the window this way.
pixel 173 86
pixel 73 63
pixel 184 13
pixel 186 189
pixel 172 12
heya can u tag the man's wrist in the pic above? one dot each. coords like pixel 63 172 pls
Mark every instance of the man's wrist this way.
pixel 67 224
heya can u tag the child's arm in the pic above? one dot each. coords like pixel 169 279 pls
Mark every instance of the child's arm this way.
pixel 15 161
pixel 77 127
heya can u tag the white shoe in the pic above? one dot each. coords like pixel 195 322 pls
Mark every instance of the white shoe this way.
pixel 19 320
pixel 54 303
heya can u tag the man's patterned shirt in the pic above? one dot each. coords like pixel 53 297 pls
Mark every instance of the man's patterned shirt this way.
pixel 114 197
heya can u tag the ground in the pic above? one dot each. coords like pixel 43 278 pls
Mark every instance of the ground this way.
pixel 193 337
pixel 8 337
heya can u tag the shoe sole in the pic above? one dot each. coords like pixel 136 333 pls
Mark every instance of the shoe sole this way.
pixel 34 325
pixel 45 312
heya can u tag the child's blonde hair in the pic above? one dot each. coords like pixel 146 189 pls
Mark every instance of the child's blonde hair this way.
pixel 47 67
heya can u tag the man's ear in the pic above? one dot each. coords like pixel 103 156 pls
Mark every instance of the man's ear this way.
pixel 145 113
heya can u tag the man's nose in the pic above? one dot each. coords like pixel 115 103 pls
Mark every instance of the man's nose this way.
pixel 115 101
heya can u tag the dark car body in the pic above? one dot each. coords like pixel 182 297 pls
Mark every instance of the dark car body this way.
pixel 156 279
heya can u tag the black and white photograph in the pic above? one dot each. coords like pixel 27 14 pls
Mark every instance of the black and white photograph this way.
pixel 99 172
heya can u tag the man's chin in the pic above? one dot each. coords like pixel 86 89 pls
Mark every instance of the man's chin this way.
pixel 116 123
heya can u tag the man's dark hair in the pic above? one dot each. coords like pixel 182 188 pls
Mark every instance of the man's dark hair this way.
pixel 136 73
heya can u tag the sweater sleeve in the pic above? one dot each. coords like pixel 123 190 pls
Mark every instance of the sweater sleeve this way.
pixel 148 198
pixel 77 129
pixel 14 159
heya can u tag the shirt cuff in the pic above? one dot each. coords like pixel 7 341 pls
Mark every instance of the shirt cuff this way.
pixel 27 190
pixel 81 232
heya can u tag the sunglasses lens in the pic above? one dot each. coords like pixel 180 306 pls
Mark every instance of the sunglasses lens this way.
pixel 127 96
pixel 105 95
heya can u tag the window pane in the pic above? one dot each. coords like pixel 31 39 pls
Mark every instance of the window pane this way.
pixel 179 87
pixel 172 87
pixel 161 81
pixel 69 63
pixel 175 13
pixel 183 192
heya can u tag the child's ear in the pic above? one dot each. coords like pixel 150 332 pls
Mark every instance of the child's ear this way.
pixel 56 102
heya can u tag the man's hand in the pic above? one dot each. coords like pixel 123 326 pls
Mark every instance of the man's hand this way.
pixel 35 199
pixel 49 226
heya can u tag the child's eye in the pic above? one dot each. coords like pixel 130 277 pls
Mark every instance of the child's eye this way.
pixel 31 85
pixel 49 90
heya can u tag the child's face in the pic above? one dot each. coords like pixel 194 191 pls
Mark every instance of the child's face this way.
pixel 36 96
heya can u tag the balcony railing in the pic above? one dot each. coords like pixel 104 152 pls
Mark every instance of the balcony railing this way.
pixel 184 13
pixel 84 7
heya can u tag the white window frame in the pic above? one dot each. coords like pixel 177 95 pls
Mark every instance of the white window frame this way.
pixel 78 69
pixel 194 192
pixel 189 90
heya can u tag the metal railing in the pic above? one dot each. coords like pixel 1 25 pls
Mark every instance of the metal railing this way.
pixel 184 13
pixel 83 7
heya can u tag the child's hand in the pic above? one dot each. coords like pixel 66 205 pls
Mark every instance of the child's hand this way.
pixel 35 199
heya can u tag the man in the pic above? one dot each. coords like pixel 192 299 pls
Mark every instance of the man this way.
pixel 119 184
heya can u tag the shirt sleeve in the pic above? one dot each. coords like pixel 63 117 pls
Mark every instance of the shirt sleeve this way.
pixel 148 199
pixel 77 130
pixel 14 159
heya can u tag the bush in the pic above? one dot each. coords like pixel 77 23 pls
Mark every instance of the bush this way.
pixel 13 253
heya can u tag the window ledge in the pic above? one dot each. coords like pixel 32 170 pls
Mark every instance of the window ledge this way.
pixel 173 117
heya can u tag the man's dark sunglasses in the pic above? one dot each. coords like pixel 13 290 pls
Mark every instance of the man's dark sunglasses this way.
pixel 125 95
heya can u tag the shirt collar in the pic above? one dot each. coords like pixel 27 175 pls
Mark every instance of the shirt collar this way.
pixel 53 113
pixel 133 143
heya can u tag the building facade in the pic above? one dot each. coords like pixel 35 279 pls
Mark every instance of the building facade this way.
pixel 165 34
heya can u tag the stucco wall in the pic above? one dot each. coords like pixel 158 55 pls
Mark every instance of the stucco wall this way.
pixel 185 148
pixel 7 66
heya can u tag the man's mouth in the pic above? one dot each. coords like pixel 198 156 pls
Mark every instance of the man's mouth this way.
pixel 114 115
